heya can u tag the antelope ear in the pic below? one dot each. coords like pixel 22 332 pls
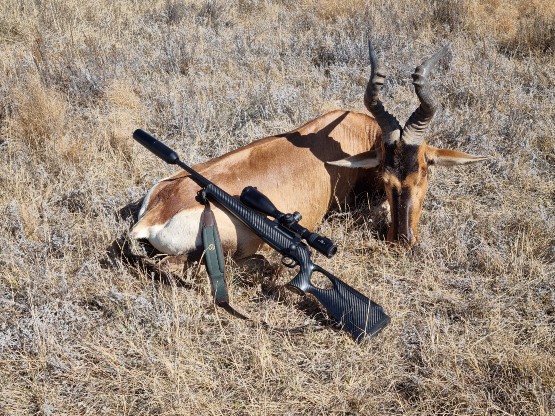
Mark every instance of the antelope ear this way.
pixel 447 157
pixel 366 160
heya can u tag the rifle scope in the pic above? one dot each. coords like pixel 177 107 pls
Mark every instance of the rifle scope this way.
pixel 255 199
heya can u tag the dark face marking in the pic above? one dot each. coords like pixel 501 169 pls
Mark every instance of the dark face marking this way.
pixel 404 184
pixel 401 206
pixel 401 159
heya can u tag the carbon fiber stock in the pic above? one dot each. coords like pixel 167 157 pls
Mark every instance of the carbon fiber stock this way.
pixel 357 314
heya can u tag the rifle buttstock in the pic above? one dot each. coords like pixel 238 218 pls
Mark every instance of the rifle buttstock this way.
pixel 354 312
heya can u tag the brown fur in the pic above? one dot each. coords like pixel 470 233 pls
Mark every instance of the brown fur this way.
pixel 305 170
pixel 290 169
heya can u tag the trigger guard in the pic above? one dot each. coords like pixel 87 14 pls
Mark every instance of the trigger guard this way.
pixel 288 262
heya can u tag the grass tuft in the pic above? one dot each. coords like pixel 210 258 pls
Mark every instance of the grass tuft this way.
pixel 41 115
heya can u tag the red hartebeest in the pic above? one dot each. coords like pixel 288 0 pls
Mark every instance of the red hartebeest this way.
pixel 308 170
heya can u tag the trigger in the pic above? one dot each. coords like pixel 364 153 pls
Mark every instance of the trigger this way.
pixel 288 262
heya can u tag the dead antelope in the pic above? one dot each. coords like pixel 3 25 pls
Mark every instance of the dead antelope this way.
pixel 308 170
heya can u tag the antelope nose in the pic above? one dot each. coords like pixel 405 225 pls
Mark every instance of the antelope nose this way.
pixel 407 238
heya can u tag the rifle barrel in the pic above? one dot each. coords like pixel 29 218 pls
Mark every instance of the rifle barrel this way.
pixel 167 155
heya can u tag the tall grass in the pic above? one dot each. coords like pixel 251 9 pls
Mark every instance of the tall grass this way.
pixel 473 306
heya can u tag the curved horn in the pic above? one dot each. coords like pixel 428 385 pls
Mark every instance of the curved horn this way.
pixel 418 122
pixel 391 129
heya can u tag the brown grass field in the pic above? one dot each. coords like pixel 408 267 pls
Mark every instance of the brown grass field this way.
pixel 472 306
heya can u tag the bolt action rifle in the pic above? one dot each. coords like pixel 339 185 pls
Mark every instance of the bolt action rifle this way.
pixel 353 311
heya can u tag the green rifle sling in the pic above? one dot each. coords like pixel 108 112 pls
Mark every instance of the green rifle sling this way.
pixel 214 262
pixel 214 256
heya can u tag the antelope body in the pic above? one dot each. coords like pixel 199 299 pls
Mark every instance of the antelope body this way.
pixel 308 170
pixel 290 169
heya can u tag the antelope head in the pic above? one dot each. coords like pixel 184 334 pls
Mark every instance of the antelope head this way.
pixel 404 156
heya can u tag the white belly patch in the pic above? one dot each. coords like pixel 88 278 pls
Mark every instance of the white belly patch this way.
pixel 182 233
pixel 179 235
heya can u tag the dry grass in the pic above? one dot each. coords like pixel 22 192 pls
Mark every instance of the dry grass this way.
pixel 473 307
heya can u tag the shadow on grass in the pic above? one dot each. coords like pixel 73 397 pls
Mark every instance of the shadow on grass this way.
pixel 141 258
pixel 124 251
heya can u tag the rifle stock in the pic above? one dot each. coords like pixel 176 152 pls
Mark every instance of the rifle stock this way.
pixel 357 314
